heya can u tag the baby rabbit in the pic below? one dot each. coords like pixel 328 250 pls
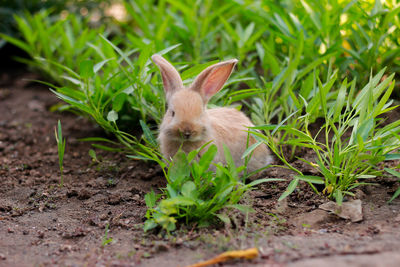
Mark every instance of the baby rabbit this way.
pixel 189 124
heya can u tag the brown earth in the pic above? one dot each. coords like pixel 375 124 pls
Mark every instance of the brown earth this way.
pixel 43 224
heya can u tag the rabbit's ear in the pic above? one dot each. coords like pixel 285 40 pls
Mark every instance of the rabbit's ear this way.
pixel 213 78
pixel 171 79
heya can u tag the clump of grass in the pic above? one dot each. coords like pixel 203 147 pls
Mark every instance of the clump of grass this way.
pixel 56 46
pixel 352 140
pixel 61 149
pixel 196 193
pixel 106 240
pixel 11 8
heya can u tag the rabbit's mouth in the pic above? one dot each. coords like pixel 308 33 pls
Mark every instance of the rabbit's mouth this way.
pixel 193 135
pixel 187 135
pixel 191 138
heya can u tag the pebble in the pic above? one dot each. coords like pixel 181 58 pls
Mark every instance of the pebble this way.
pixel 40 234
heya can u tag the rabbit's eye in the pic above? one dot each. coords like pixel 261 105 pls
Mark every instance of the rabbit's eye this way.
pixel 172 113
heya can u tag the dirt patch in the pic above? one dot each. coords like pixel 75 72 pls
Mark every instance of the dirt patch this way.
pixel 44 224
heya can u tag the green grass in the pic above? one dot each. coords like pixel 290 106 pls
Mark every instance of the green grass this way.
pixel 106 240
pixel 295 61
pixel 61 150
pixel 197 194
pixel 9 9
pixel 352 140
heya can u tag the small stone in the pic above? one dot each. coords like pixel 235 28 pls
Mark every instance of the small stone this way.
pixel 66 248
pixel 351 210
pixel 40 234
pixel 179 241
pixel 10 230
pixel 282 206
pixel 312 219
pixel 373 229
pixel 2 257
pixel 78 232
pixel 36 105
pixel 25 232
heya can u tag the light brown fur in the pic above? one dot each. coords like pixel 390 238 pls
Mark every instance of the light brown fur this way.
pixel 189 124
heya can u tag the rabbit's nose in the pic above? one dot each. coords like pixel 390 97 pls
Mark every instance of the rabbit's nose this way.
pixel 187 134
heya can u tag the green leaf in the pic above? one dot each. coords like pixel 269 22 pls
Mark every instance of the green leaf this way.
pixel 311 179
pixel 264 180
pixel 188 189
pixel 97 139
pixel 314 15
pixel 291 187
pixel 395 195
pixel 149 224
pixel 16 42
pixel 392 156
pixel 93 155
pixel 86 69
pixel 118 102
pixel 168 49
pixel 242 208
pixel 150 199
pixel 250 149
pixel 193 71
pixel 179 170
pixel 208 157
pixel 340 101
pixel 393 172
pixel 225 219
pixel 365 129
pixel 148 134
pixel 112 116
pixel 229 161
pixel 338 196
pixel 99 65
pixel 178 200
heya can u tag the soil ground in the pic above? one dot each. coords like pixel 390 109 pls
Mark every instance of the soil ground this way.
pixel 43 224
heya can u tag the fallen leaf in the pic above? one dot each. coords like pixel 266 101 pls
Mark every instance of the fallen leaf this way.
pixel 235 254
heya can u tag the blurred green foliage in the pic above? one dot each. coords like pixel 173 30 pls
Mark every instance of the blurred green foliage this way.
pixel 10 8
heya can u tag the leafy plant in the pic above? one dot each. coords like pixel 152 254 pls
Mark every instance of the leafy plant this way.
pixel 61 149
pixel 56 46
pixel 351 142
pixel 197 193
pixel 8 9
pixel 106 240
